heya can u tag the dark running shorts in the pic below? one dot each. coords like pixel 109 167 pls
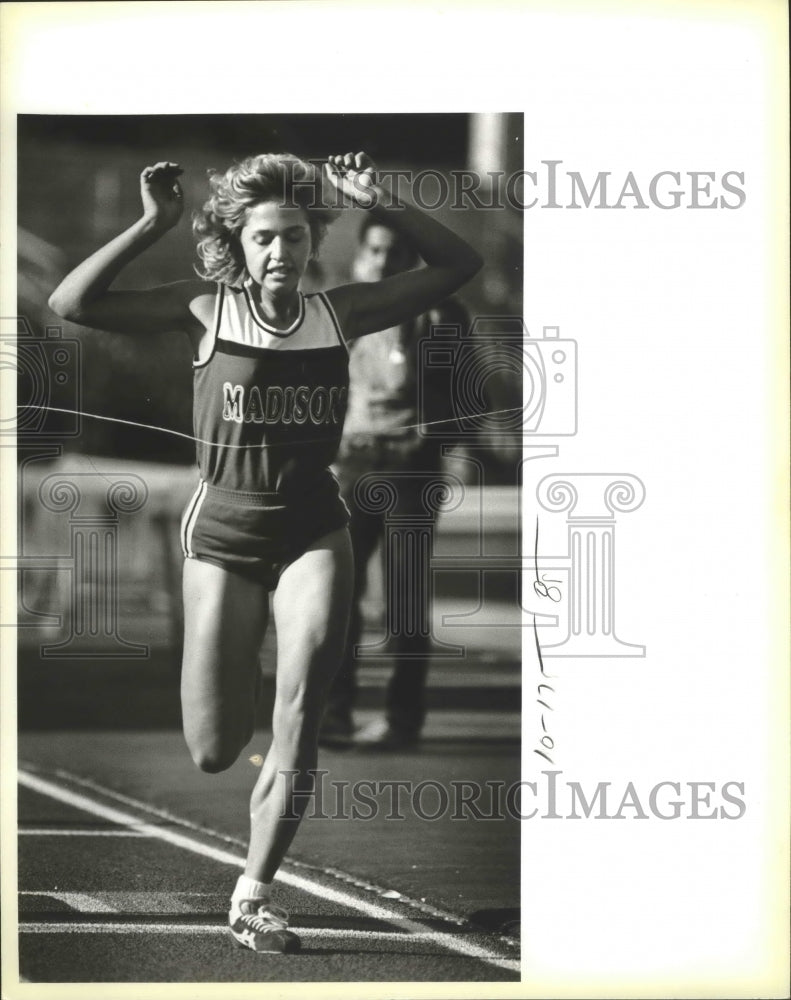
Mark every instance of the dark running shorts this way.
pixel 257 534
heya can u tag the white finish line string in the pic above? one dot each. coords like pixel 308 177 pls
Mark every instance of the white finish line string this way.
pixel 243 447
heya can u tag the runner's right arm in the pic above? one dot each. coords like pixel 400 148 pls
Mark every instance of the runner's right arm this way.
pixel 84 295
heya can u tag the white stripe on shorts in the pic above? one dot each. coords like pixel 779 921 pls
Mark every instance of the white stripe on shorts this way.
pixel 190 518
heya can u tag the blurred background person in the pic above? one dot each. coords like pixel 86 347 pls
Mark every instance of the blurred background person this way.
pixel 382 435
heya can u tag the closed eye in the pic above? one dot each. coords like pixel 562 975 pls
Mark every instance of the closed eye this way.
pixel 265 237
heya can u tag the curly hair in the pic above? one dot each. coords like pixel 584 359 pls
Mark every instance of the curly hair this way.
pixel 279 177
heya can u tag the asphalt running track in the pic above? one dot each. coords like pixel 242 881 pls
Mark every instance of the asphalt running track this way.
pixel 127 855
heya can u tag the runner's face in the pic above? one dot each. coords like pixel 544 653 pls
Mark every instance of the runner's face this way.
pixel 381 254
pixel 276 245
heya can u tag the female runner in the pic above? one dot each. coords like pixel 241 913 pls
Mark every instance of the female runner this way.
pixel 270 383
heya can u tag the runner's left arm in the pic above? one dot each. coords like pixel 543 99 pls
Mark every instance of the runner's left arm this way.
pixel 450 261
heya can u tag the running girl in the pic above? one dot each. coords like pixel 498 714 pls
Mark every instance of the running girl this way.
pixel 270 383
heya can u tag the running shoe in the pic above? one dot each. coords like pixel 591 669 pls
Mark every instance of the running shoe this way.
pixel 262 927
pixel 381 735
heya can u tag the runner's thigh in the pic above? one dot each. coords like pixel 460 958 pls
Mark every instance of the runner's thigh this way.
pixel 311 606
pixel 225 618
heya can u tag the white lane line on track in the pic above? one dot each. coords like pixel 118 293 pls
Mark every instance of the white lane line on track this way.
pixel 124 927
pixel 424 909
pixel 69 832
pixel 127 903
pixel 84 902
pixel 123 901
pixel 450 942
pixel 322 933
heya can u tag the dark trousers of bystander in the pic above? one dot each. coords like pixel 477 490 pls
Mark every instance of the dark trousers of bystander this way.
pixel 407 583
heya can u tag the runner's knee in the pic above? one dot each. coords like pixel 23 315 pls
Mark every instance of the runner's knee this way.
pixel 213 755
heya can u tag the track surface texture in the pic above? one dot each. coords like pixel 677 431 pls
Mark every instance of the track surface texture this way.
pixel 128 853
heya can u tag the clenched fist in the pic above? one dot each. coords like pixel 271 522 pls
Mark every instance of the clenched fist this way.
pixel 354 175
pixel 160 191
